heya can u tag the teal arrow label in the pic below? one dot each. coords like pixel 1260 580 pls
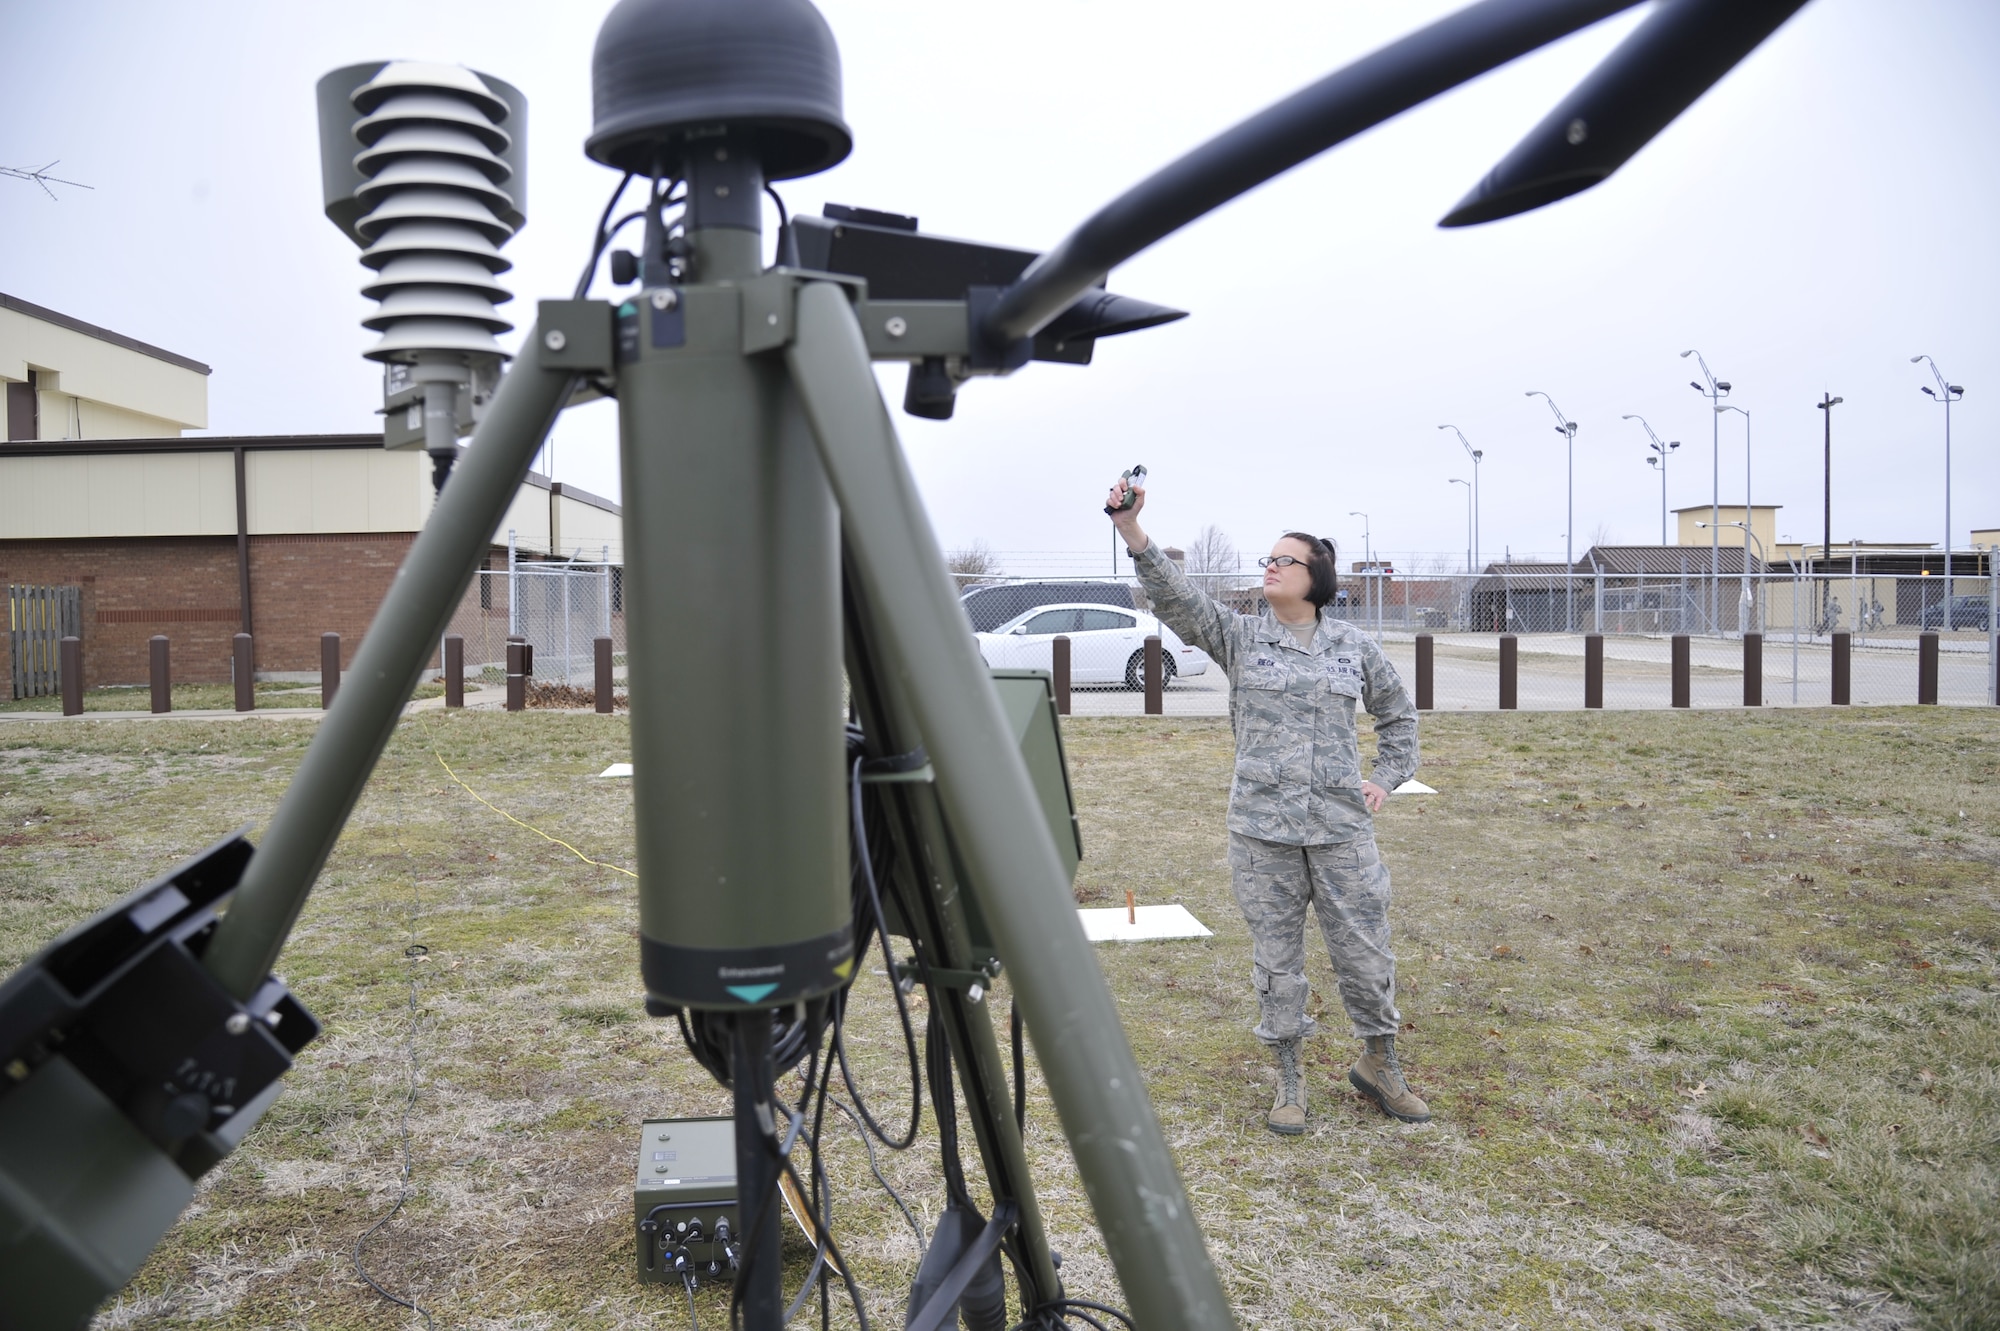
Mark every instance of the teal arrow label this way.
pixel 750 993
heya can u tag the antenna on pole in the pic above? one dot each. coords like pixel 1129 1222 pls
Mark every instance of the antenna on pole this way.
pixel 40 175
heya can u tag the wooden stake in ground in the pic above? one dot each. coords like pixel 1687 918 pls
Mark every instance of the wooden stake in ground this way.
pixel 1131 908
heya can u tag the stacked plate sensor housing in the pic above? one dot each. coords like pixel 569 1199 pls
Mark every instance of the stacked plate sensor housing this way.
pixel 422 166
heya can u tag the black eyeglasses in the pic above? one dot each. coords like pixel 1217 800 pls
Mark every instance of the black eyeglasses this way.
pixel 1282 561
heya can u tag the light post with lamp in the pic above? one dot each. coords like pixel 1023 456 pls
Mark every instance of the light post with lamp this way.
pixel 1567 429
pixel 1748 512
pixel 1660 462
pixel 1827 402
pixel 1717 390
pixel 1367 552
pixel 1762 560
pixel 1468 523
pixel 1475 454
pixel 1946 393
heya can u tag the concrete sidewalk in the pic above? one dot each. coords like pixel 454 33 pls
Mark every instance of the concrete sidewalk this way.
pixel 485 697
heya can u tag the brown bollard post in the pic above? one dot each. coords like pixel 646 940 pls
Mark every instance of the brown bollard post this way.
pixel 602 646
pixel 517 675
pixel 454 670
pixel 329 668
pixel 70 664
pixel 1510 672
pixel 1059 671
pixel 1593 670
pixel 1155 681
pixel 243 655
pixel 159 669
pixel 1927 669
pixel 1753 670
pixel 1843 669
pixel 1426 695
pixel 1683 671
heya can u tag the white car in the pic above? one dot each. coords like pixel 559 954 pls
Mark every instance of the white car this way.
pixel 1107 644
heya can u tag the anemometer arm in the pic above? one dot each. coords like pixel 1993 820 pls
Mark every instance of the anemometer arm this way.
pixel 1681 50
pixel 1339 106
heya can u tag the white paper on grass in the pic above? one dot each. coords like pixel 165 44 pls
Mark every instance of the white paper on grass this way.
pixel 1111 925
pixel 617 769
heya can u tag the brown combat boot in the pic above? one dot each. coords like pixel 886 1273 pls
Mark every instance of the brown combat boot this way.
pixel 1288 1112
pixel 1377 1075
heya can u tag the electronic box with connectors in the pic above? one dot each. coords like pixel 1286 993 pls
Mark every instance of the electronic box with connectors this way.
pixel 684 1198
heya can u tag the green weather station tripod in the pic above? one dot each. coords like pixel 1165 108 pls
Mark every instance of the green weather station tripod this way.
pixel 778 836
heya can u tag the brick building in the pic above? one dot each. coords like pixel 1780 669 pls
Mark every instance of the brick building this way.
pixel 284 538
pixel 199 538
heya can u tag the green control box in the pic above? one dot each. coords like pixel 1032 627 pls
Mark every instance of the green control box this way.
pixel 684 1197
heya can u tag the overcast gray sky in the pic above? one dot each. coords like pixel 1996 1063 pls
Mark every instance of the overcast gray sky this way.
pixel 1825 213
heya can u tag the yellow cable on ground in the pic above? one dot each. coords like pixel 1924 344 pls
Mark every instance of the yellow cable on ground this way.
pixel 508 816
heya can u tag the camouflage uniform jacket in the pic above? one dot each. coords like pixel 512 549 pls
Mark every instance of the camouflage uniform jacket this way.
pixel 1298 766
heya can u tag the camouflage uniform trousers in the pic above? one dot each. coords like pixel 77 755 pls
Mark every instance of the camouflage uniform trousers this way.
pixel 1348 887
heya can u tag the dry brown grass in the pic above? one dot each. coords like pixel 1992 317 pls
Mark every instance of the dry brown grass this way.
pixel 1705 1004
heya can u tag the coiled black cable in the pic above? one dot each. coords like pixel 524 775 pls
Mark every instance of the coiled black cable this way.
pixel 876 927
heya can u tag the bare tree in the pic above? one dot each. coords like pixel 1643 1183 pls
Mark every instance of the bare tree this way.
pixel 1601 535
pixel 974 563
pixel 1212 560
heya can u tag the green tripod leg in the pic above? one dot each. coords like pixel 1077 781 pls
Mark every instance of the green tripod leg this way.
pixel 1120 1152
pixel 927 887
pixel 404 633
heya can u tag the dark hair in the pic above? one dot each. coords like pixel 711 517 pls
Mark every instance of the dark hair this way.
pixel 1323 564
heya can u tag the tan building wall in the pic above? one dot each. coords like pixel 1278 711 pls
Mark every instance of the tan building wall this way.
pixel 345 490
pixel 288 492
pixel 584 526
pixel 1987 536
pixel 93 383
pixel 528 519
pixel 1763 522
pixel 95 495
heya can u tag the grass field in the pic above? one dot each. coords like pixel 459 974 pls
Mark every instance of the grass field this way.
pixel 1706 1005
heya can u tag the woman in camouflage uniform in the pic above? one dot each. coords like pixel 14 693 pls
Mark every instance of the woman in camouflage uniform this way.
pixel 1301 818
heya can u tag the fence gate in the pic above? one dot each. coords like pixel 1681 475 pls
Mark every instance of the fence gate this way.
pixel 38 619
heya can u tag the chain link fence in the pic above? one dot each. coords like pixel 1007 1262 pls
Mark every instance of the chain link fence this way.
pixel 558 608
pixel 1550 612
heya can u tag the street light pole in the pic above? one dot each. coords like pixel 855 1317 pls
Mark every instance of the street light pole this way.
pixel 1367 548
pixel 1660 462
pixel 1827 402
pixel 1468 522
pixel 1761 556
pixel 1749 513
pixel 1566 428
pixel 1475 454
pixel 1717 390
pixel 1946 393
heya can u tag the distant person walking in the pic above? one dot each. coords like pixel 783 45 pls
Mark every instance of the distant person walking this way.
pixel 1301 817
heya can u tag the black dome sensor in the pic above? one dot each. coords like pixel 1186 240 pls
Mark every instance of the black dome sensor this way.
pixel 665 68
